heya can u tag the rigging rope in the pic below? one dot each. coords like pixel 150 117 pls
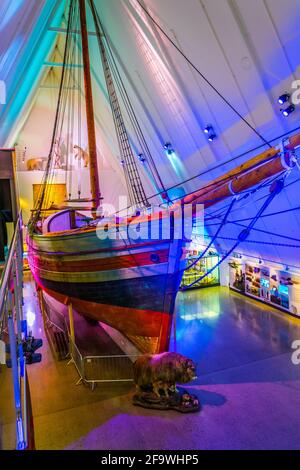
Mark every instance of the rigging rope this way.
pixel 203 76
pixel 248 255
pixel 257 200
pixel 218 213
pixel 63 107
pixel 276 189
pixel 137 131
pixel 259 242
pixel 273 234
pixel 220 165
pixel 214 237
pixel 132 115
pixel 41 196
pixel 218 183
pixel 130 166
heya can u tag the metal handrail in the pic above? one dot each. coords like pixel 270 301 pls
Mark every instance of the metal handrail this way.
pixel 11 301
pixel 9 264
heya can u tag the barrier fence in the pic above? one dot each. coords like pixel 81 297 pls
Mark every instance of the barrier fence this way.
pixel 91 369
pixel 102 369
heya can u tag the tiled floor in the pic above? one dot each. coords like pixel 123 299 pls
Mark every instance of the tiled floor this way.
pixel 248 386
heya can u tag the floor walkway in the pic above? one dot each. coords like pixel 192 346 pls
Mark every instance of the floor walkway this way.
pixel 248 386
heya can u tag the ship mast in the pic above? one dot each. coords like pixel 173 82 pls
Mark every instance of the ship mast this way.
pixel 135 187
pixel 94 176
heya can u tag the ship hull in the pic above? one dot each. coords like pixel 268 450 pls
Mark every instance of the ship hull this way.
pixel 130 286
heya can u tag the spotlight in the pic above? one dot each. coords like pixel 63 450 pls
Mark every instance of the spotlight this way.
pixel 168 147
pixel 289 110
pixel 284 98
pixel 208 129
pixel 212 137
pixel 122 162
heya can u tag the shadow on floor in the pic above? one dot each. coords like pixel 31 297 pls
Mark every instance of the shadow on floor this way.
pixel 210 398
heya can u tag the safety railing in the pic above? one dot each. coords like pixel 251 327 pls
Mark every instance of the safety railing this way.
pixel 91 369
pixel 77 360
pixel 101 369
pixel 13 324
pixel 53 317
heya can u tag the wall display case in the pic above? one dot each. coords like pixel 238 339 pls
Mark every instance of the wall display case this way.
pixel 199 269
pixel 237 275
pixel 278 288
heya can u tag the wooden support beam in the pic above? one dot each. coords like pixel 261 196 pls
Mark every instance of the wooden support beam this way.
pixel 71 322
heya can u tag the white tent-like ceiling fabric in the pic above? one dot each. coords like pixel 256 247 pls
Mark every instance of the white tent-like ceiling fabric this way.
pixel 249 51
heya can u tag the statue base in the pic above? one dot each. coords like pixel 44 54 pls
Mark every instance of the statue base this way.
pixel 178 401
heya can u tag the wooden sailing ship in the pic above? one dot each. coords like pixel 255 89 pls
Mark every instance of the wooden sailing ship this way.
pixel 128 283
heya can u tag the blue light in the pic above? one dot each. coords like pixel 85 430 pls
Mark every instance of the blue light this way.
pixel 283 290
pixel 168 147
pixel 265 283
pixel 283 98
pixel 208 129
pixel 289 110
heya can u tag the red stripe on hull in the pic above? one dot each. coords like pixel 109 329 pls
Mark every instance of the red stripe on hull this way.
pixel 104 264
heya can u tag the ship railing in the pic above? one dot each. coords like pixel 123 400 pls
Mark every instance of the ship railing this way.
pixel 13 329
pixel 77 360
pixel 102 369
